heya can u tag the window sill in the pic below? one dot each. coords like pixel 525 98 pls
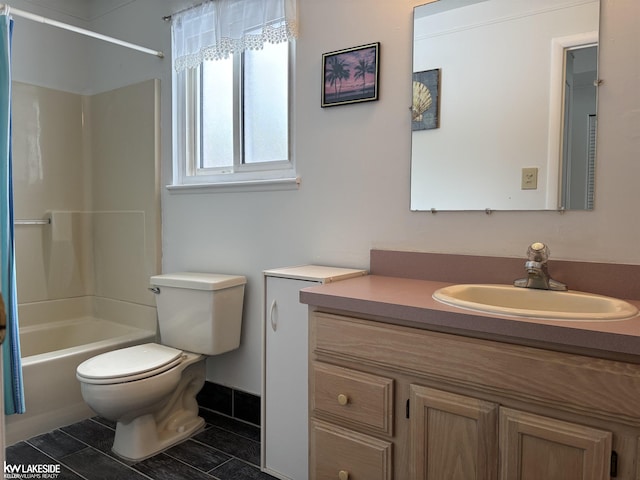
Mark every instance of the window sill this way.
pixel 265 185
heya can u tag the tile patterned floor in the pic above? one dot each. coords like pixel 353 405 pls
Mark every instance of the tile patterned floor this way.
pixel 226 449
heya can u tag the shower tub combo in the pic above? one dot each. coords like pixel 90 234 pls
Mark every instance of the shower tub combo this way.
pixel 51 352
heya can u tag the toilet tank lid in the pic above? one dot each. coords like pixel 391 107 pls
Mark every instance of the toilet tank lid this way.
pixel 198 280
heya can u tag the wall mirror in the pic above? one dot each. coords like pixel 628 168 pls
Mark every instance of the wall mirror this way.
pixel 504 108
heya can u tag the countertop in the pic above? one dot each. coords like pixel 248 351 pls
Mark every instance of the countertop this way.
pixel 409 302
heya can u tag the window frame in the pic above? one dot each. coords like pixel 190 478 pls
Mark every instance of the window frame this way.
pixel 186 143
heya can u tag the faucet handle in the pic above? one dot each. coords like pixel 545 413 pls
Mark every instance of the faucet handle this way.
pixel 538 252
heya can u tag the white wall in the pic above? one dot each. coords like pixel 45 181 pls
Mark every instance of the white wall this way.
pixel 354 162
pixel 46 56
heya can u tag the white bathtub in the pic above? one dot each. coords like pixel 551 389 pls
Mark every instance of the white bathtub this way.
pixel 51 353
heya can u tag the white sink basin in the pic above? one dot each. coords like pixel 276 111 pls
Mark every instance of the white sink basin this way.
pixel 527 302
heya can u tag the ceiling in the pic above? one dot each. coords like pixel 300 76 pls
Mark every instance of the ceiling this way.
pixel 86 10
pixel 90 10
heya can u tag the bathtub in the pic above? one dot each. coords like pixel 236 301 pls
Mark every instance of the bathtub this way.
pixel 51 353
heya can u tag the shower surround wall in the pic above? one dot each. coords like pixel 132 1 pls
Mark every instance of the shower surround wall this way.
pixel 89 164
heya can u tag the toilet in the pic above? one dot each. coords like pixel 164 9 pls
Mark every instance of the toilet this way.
pixel 150 390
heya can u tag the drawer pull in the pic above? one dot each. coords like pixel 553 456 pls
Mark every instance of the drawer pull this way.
pixel 343 475
pixel 343 400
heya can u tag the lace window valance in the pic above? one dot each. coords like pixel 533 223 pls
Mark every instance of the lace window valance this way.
pixel 218 28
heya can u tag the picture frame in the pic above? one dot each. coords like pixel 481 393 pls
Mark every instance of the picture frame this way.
pixel 350 75
pixel 425 108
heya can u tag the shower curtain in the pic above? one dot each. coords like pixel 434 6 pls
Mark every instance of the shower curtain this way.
pixel 12 366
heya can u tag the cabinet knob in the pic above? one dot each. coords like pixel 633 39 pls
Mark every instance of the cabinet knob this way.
pixel 343 400
pixel 343 475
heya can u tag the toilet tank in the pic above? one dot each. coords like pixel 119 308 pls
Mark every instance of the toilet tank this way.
pixel 199 312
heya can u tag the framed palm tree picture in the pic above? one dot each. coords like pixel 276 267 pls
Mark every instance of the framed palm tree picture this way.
pixel 350 75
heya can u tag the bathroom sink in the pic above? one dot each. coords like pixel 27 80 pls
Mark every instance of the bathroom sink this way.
pixel 528 302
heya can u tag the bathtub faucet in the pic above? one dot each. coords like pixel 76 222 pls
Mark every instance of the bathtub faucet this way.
pixel 537 273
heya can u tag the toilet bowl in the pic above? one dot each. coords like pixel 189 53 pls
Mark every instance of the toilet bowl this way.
pixel 150 390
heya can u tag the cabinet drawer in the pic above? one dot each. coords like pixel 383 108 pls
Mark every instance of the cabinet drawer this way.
pixel 358 398
pixel 338 453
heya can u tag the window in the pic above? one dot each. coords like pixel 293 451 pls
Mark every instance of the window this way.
pixel 232 110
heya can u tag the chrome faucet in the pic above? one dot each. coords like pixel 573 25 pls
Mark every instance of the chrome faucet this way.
pixel 537 273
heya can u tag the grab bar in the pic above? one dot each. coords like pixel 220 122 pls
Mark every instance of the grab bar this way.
pixel 46 221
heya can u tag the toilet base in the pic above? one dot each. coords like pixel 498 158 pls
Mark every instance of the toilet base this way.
pixel 139 439
pixel 175 420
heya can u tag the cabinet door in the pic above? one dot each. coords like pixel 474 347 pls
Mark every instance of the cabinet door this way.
pixel 285 395
pixel 534 447
pixel 453 437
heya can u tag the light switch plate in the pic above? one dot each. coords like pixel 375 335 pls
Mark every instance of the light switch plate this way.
pixel 529 179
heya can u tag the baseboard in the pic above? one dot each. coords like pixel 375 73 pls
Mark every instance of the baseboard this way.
pixel 231 402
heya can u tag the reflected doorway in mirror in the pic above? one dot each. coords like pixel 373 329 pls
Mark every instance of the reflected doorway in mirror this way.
pixel 425 110
pixel 578 149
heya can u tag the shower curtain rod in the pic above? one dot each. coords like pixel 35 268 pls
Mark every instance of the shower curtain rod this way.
pixel 37 18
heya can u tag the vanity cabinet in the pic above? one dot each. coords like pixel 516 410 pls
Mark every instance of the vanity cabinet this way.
pixel 395 402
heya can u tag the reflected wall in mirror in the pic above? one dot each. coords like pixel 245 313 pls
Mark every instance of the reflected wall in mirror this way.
pixel 504 98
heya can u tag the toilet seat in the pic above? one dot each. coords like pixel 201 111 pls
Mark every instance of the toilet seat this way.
pixel 129 364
